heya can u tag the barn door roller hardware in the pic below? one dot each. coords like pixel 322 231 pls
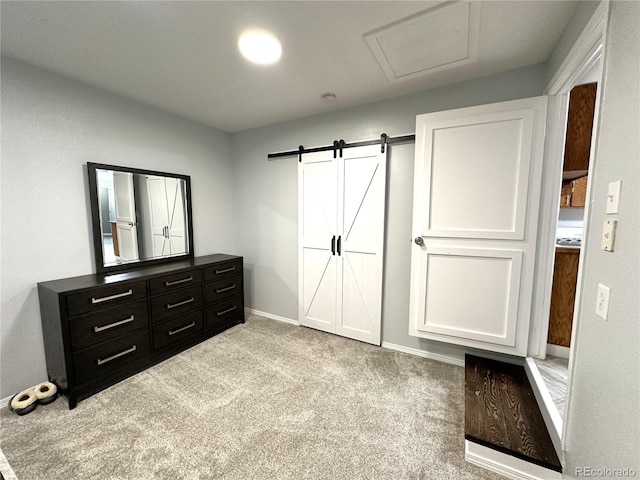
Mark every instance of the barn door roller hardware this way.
pixel 339 145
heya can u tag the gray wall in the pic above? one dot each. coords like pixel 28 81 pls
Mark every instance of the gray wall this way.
pixel 267 202
pixel 52 126
pixel 603 413
pixel 581 15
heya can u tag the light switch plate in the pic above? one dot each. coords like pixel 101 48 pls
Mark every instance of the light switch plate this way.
pixel 602 301
pixel 609 234
pixel 613 196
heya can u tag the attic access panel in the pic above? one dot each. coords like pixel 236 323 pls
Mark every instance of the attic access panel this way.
pixel 436 39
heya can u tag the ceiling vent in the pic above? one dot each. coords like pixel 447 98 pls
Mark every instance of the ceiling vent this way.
pixel 443 37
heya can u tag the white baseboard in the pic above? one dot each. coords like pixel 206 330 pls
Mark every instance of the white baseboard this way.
pixel 271 316
pixel 5 402
pixel 452 359
pixel 558 350
pixel 506 465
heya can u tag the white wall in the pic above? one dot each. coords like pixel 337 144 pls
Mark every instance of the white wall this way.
pixel 52 126
pixel 603 424
pixel 267 203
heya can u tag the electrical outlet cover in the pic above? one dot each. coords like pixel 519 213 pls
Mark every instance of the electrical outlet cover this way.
pixel 602 301
pixel 609 234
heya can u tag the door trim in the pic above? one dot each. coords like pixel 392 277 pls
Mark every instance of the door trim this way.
pixel 590 43
pixel 588 48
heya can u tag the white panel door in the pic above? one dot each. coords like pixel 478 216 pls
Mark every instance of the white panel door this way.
pixel 317 236
pixel 125 216
pixel 341 237
pixel 361 180
pixel 476 195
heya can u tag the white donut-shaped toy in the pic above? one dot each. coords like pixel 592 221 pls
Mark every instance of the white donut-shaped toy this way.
pixel 23 402
pixel 46 392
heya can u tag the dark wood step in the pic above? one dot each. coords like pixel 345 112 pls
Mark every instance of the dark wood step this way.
pixel 501 412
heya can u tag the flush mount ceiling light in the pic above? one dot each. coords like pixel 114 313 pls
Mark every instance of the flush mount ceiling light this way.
pixel 260 47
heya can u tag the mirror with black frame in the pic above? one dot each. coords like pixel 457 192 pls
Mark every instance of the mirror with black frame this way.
pixel 139 217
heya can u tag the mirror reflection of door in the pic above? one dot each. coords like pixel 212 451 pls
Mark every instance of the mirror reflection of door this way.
pixel 176 227
pixel 103 198
pixel 166 201
pixel 127 232
pixel 106 209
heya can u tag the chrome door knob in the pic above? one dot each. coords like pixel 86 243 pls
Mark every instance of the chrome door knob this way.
pixel 419 241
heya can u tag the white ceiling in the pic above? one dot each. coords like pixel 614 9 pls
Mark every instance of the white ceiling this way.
pixel 182 56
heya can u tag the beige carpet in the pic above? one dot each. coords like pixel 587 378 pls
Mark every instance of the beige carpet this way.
pixel 264 400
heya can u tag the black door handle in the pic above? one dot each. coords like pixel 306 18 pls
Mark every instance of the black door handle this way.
pixel 339 243
pixel 333 245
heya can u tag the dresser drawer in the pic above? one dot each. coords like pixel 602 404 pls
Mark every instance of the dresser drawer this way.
pixel 221 270
pixel 169 283
pixel 103 297
pixel 107 324
pixel 109 357
pixel 222 311
pixel 177 329
pixel 223 288
pixel 176 303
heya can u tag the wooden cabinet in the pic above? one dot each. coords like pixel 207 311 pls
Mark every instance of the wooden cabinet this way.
pixel 574 193
pixel 582 102
pixel 563 294
pixel 577 147
pixel 101 329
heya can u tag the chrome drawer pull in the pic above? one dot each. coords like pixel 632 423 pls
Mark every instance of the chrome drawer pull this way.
pixel 184 280
pixel 111 325
pixel 112 297
pixel 102 361
pixel 173 332
pixel 226 311
pixel 218 272
pixel 184 302
pixel 220 290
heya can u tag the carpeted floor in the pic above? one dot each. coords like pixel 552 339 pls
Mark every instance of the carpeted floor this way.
pixel 264 400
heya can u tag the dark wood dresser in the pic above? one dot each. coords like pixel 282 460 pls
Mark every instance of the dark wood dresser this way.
pixel 100 329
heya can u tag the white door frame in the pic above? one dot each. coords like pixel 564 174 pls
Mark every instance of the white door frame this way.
pixel 588 49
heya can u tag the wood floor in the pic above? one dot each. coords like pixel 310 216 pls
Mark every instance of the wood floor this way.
pixel 501 412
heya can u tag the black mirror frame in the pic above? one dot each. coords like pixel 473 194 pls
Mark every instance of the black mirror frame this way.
pixel 95 218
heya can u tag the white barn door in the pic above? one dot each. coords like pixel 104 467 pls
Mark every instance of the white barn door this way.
pixel 476 195
pixel 341 237
pixel 317 235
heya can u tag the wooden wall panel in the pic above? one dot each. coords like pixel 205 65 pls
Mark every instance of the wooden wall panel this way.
pixel 563 294
pixel 582 102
